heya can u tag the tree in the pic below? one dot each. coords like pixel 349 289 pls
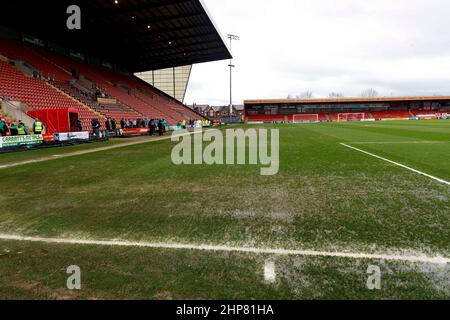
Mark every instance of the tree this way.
pixel 335 95
pixel 305 95
pixel 369 93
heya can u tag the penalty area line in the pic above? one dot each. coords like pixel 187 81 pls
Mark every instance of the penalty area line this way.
pixel 222 248
pixel 397 164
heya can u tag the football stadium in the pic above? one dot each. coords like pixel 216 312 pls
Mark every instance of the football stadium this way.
pixel 94 207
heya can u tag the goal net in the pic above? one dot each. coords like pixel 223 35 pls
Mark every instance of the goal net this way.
pixel 302 118
pixel 342 117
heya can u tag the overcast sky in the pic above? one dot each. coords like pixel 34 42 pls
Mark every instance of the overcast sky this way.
pixel 398 47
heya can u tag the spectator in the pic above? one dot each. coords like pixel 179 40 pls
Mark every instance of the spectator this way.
pixel 108 124
pixel 165 125
pixel 152 127
pixel 123 124
pixel 79 125
pixel 113 125
pixel 160 128
pixel 96 127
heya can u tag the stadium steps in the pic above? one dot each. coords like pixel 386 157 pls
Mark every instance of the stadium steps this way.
pixel 78 85
pixel 55 65
pixel 155 112
pixel 104 81
pixel 28 54
pixel 172 112
pixel 56 68
pixel 15 111
pixel 34 92
pixel 24 67
pixel 113 111
pixel 86 114
pixel 186 112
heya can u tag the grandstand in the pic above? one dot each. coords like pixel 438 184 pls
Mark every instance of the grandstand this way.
pixel 38 94
pixel 45 66
pixel 346 109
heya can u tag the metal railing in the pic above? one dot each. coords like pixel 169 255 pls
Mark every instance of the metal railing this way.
pixel 17 111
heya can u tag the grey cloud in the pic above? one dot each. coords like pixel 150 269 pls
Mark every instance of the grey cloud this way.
pixel 288 46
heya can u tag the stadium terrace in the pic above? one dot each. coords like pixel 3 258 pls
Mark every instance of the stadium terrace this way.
pixel 347 109
pixel 84 81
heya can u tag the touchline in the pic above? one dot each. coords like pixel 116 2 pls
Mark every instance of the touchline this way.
pixel 229 147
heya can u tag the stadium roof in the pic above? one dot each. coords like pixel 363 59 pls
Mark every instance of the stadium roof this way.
pixel 139 35
pixel 349 100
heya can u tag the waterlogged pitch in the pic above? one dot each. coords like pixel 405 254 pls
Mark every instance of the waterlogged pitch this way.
pixel 357 210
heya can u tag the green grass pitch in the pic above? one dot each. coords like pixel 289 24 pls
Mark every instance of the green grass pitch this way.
pixel 325 197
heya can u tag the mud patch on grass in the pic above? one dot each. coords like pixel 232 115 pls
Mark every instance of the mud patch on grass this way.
pixel 163 295
pixel 40 290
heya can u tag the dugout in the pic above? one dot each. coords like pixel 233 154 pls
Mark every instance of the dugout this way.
pixel 57 120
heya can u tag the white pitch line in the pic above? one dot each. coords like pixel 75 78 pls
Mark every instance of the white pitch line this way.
pixel 398 164
pixel 83 152
pixel 400 142
pixel 222 248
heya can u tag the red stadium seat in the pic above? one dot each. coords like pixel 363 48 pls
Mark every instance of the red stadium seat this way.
pixel 135 98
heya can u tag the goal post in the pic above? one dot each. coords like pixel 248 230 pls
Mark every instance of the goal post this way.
pixel 343 117
pixel 305 118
